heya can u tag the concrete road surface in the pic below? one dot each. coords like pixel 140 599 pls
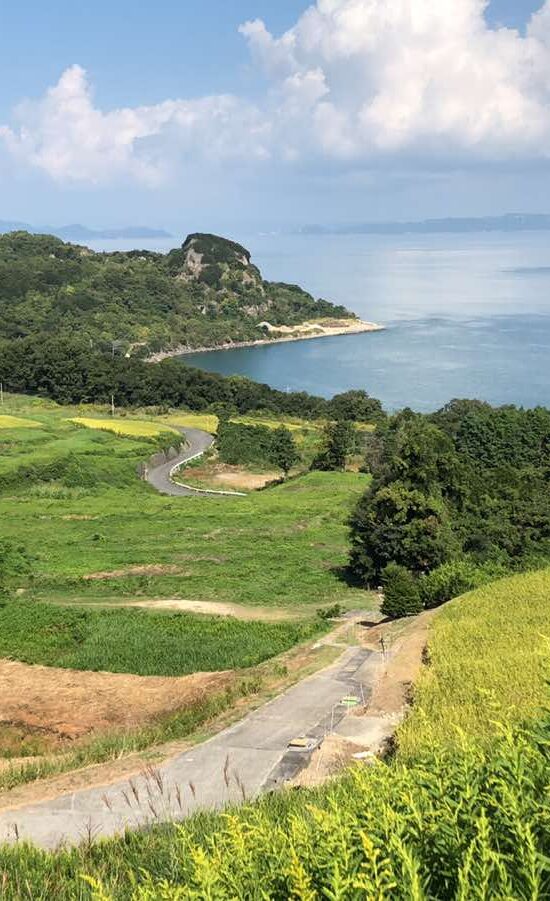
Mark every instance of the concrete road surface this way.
pixel 247 758
pixel 160 477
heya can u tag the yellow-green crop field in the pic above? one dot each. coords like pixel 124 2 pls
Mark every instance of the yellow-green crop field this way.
pixel 291 425
pixel 489 654
pixel 131 428
pixel 15 422
pixel 205 421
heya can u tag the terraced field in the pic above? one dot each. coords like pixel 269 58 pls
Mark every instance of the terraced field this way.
pixel 71 498
pixel 83 539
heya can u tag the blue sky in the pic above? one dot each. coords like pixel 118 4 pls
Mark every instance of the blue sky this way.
pixel 310 133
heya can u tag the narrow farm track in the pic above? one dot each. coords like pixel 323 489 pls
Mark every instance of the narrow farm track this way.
pixel 246 759
pixel 160 477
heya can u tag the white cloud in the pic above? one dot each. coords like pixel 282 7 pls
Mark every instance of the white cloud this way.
pixel 65 135
pixel 354 81
pixel 417 75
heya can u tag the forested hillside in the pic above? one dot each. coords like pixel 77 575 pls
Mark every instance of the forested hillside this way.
pixel 457 499
pixel 207 292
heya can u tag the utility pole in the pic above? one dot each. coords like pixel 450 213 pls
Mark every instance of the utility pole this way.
pixel 112 405
pixel 2 394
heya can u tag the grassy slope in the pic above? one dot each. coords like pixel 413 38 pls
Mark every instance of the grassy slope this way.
pixel 435 822
pixel 489 653
pixel 135 641
pixel 279 547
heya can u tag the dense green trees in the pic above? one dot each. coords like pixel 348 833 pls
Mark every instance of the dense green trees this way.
pixel 456 498
pixel 205 293
pixel 399 524
pixel 69 371
pixel 238 443
pixel 283 453
pixel 338 442
pixel 356 406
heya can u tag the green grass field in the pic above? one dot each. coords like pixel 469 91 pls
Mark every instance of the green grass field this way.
pixel 71 498
pixel 140 642
pixel 439 820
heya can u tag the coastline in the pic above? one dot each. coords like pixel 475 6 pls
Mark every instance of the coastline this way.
pixel 356 327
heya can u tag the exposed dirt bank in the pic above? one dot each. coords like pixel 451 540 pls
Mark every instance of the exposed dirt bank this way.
pixel 365 731
pixel 64 705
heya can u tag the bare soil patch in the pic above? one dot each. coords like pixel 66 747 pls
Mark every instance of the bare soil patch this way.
pixel 61 706
pixel 215 608
pixel 392 691
pixel 222 475
pixel 145 569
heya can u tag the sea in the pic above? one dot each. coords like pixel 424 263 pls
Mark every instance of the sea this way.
pixel 464 316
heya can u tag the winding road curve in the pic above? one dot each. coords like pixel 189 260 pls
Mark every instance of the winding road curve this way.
pixel 160 477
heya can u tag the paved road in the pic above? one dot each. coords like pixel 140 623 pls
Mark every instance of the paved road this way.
pixel 161 476
pixel 247 758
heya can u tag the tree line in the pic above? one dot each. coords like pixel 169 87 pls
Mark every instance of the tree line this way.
pixel 457 498
pixel 69 371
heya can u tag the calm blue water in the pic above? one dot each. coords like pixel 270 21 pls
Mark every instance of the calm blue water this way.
pixel 466 316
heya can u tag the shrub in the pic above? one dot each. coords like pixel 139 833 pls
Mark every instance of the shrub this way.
pixel 448 581
pixel 456 577
pixel 401 592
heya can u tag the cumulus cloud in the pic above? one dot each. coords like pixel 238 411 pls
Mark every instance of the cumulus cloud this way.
pixel 69 138
pixel 352 82
pixel 416 75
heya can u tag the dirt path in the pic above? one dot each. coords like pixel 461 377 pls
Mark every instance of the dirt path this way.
pixel 218 608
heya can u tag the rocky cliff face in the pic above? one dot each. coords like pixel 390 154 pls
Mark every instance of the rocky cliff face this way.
pixel 225 272
pixel 229 284
pixel 217 262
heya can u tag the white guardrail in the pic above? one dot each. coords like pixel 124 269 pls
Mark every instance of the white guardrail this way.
pixel 201 490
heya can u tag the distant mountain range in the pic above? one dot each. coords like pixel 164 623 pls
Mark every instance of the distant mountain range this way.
pixel 512 222
pixel 82 233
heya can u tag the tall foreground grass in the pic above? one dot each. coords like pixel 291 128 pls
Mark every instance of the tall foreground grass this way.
pixel 445 818
pixel 468 825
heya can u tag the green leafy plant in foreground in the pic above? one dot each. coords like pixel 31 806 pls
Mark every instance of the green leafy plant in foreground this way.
pixel 466 825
